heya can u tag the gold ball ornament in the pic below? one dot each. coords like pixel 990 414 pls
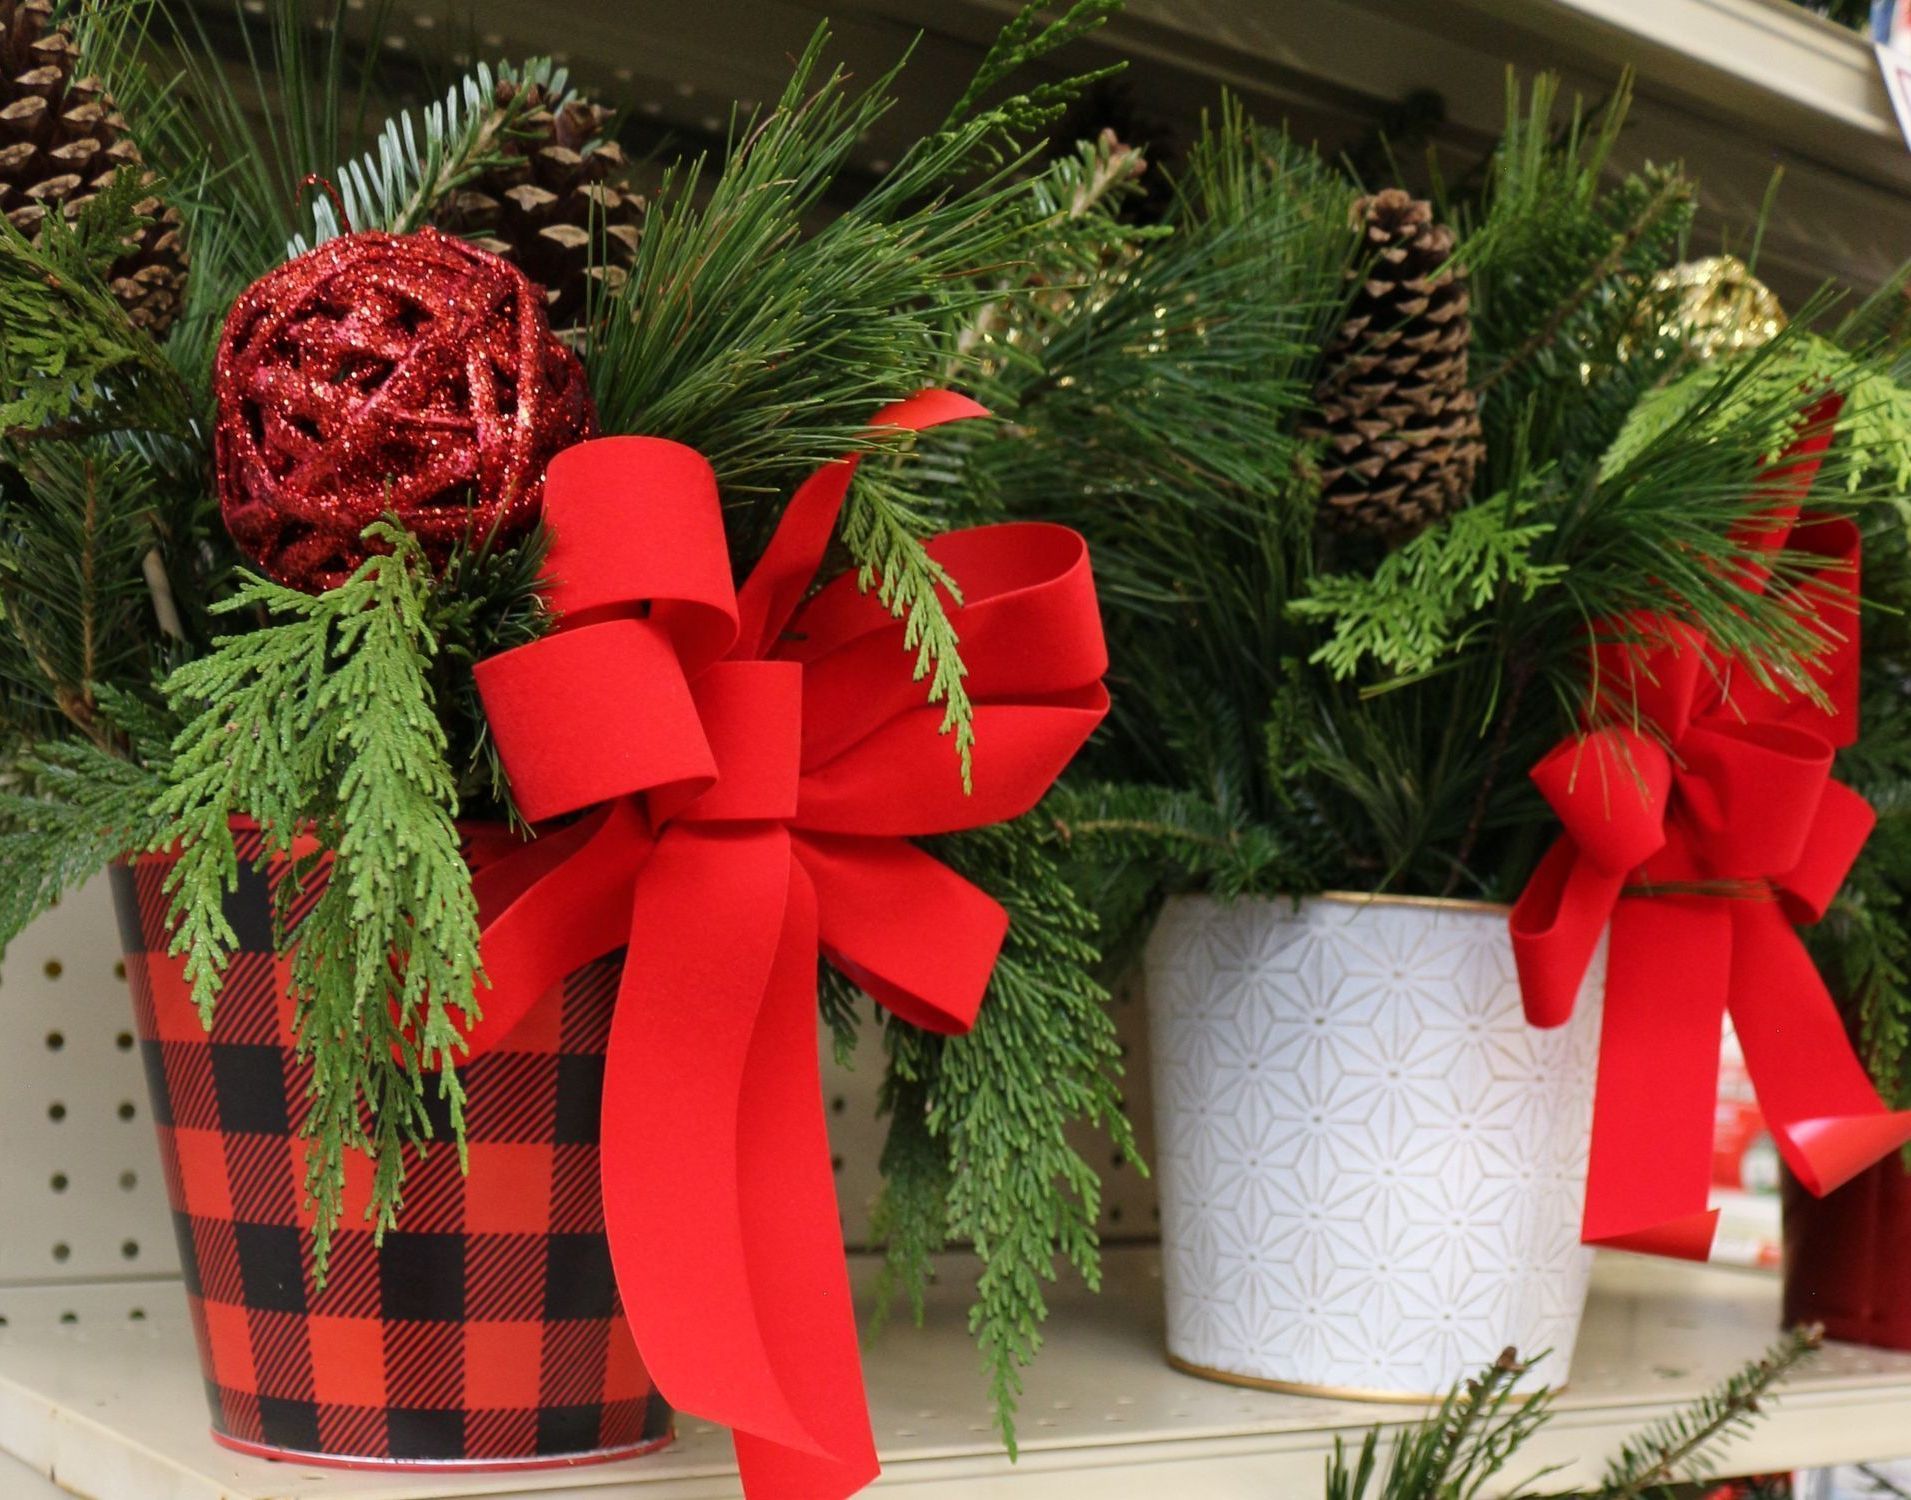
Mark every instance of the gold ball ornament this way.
pixel 1713 307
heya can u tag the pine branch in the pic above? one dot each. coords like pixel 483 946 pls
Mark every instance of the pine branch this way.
pixel 766 345
pixel 322 723
pixel 1680 1446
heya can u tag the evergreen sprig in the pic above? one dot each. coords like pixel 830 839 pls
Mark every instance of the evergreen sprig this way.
pixel 1480 1426
pixel 422 157
pixel 78 607
pixel 1485 1420
pixel 73 810
pixel 767 345
pixel 319 726
pixel 1685 1446
pixel 1415 608
pixel 71 361
pixel 978 1149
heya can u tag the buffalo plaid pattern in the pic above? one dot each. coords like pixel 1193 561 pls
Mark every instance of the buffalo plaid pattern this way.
pixel 487 1326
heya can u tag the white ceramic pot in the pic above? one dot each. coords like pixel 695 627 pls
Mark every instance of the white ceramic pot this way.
pixel 1371 1167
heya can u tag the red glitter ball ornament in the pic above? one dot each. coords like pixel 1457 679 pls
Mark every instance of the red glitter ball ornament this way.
pixel 411 375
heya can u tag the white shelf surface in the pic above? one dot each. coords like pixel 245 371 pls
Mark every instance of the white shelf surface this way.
pixel 113 1407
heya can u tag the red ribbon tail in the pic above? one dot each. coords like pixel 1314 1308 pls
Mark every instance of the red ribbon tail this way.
pixel 718 1192
pixel 1650 1170
pixel 1824 1114
pixel 1556 926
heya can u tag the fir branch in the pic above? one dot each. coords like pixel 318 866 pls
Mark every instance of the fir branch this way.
pixel 321 725
pixel 996 1104
pixel 73 811
pixel 71 361
pixel 1452 1455
pixel 76 611
pixel 1484 1422
pixel 1681 1446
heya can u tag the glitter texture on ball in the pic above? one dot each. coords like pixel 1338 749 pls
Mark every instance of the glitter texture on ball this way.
pixel 381 375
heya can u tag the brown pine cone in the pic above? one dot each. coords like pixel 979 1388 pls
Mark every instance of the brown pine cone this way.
pixel 564 181
pixel 61 141
pixel 1400 423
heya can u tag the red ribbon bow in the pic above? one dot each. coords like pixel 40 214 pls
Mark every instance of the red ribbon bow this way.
pixel 756 765
pixel 1704 841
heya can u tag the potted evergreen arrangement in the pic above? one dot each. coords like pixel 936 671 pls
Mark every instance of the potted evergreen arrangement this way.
pixel 407 590
pixel 1395 530
pixel 1845 1264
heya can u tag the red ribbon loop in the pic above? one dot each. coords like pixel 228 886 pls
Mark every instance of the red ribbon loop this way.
pixel 1701 837
pixel 755 765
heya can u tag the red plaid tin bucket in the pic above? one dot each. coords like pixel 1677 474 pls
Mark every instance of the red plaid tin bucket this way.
pixel 485 1331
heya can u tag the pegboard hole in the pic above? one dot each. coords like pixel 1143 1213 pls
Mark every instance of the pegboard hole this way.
pixel 124 1041
pixel 58 1182
pixel 55 1040
pixel 836 1164
pixel 129 1249
pixel 137 1315
pixel 69 1317
pixel 56 1111
pixel 126 1110
pixel 838 1105
pixel 128 1181
pixel 62 1251
pixel 119 968
pixel 54 968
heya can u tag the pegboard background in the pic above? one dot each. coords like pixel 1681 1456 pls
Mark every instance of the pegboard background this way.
pixel 81 1195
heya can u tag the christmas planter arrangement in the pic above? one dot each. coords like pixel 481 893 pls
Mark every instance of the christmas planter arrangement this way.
pixel 1455 491
pixel 389 647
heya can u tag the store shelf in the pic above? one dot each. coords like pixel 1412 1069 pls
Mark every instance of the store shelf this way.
pixel 18 1482
pixel 112 1406
pixel 1735 89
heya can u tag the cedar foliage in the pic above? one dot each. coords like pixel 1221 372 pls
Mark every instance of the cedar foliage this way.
pixel 320 727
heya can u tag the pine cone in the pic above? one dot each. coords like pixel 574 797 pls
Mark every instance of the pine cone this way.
pixel 563 182
pixel 1401 425
pixel 61 141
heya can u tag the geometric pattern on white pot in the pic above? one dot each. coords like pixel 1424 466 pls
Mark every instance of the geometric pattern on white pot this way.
pixel 1371 1167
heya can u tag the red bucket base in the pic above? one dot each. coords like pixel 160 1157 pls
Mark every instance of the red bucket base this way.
pixel 444 1465
pixel 1848 1257
pixel 486 1330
